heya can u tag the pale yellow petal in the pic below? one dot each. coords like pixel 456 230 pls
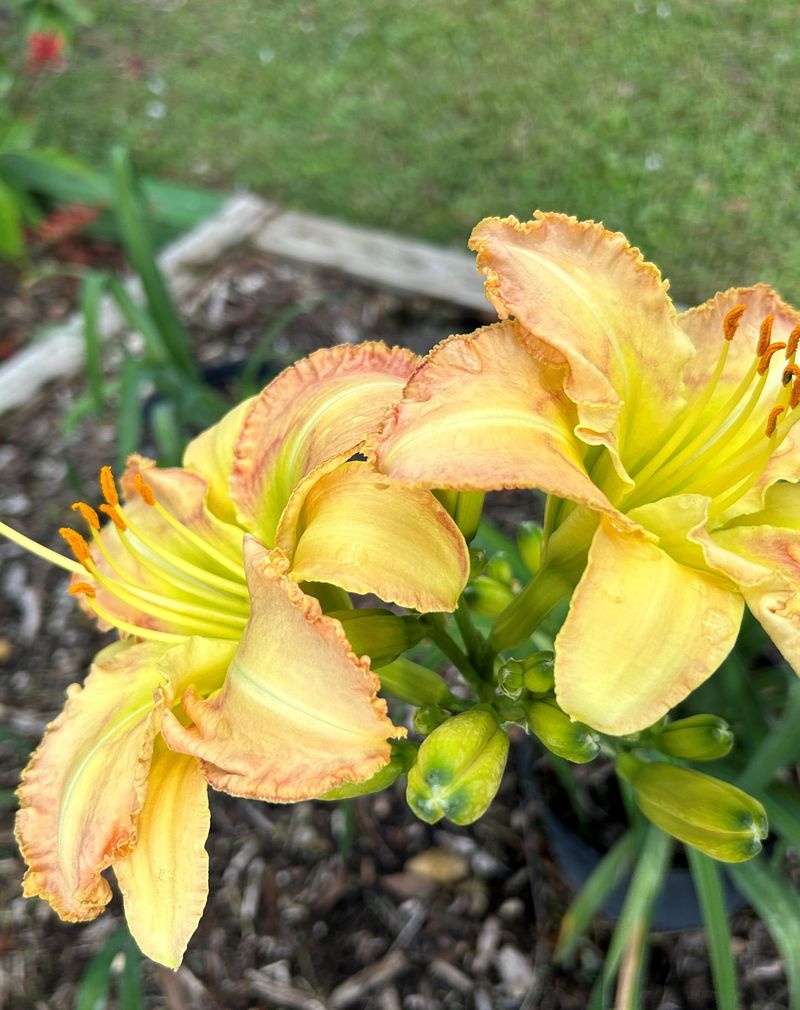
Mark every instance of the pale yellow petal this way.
pixel 86 782
pixel 164 880
pixel 483 413
pixel 642 632
pixel 586 297
pixel 298 713
pixel 350 526
pixel 211 454
pixel 324 405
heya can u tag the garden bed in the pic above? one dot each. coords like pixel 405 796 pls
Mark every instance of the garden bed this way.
pixel 313 905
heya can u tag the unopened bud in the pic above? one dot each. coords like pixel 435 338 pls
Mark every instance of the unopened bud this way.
pixel 428 717
pixel 414 683
pixel 478 560
pixel 697 738
pixel 469 507
pixel 509 678
pixel 530 537
pixel 570 740
pixel 713 816
pixel 500 568
pixel 487 596
pixel 459 768
pixel 403 754
pixel 538 677
pixel 378 633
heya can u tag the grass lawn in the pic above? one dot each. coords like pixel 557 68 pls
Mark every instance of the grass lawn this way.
pixel 675 121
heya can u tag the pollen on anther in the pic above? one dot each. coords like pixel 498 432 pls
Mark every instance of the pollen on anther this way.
pixel 114 516
pixel 764 335
pixel 76 543
pixel 83 589
pixel 794 396
pixel 772 421
pixel 792 341
pixel 730 324
pixel 108 486
pixel 766 356
pixel 88 514
pixel 144 489
pixel 790 372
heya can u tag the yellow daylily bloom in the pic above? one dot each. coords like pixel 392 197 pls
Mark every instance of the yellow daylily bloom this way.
pixel 660 439
pixel 228 674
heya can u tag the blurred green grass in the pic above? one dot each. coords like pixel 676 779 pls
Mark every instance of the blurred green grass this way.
pixel 675 121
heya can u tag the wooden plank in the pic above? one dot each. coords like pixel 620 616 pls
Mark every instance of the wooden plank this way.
pixel 376 257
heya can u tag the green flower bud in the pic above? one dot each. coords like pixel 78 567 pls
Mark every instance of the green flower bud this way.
pixel 467 515
pixel 538 676
pixel 500 569
pixel 697 738
pixel 713 816
pixel 378 633
pixel 509 678
pixel 478 560
pixel 459 768
pixel 530 537
pixel 570 740
pixel 403 754
pixel 487 596
pixel 414 683
pixel 427 718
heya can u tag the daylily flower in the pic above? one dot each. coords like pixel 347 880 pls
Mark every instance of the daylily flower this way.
pixel 662 440
pixel 228 674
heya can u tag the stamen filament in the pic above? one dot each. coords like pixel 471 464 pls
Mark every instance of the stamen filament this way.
pixel 198 541
pixel 133 629
pixel 53 557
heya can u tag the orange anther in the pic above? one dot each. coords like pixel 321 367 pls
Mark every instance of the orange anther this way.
pixel 790 372
pixel 772 420
pixel 792 341
pixel 108 486
pixel 88 514
pixel 730 324
pixel 77 544
pixel 83 589
pixel 764 335
pixel 794 396
pixel 144 489
pixel 114 516
pixel 766 356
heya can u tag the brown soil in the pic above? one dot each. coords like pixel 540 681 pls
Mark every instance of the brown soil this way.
pixel 313 905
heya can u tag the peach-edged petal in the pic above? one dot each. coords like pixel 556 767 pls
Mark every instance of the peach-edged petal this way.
pixel 348 525
pixel 298 713
pixel 585 296
pixel 164 880
pixel 482 413
pixel 86 782
pixel 323 405
pixel 211 454
pixel 642 632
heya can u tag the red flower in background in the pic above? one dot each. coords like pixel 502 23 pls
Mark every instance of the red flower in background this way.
pixel 45 49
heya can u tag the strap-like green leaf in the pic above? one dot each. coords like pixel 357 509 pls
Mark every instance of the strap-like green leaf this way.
pixel 708 884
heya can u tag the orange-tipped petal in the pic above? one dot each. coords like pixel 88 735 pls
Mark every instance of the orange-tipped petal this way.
pixel 298 713
pixel 164 880
pixel 324 405
pixel 350 526
pixel 482 413
pixel 586 297
pixel 86 782
pixel 211 454
pixel 642 632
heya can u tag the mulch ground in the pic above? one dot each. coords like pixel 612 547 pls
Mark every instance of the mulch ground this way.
pixel 315 905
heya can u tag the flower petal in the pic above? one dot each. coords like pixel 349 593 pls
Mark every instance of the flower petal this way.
pixel 585 296
pixel 86 782
pixel 298 713
pixel 482 413
pixel 211 454
pixel 323 405
pixel 350 526
pixel 164 880
pixel 642 632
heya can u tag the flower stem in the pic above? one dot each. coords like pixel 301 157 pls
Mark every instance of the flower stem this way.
pixel 435 631
pixel 522 617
